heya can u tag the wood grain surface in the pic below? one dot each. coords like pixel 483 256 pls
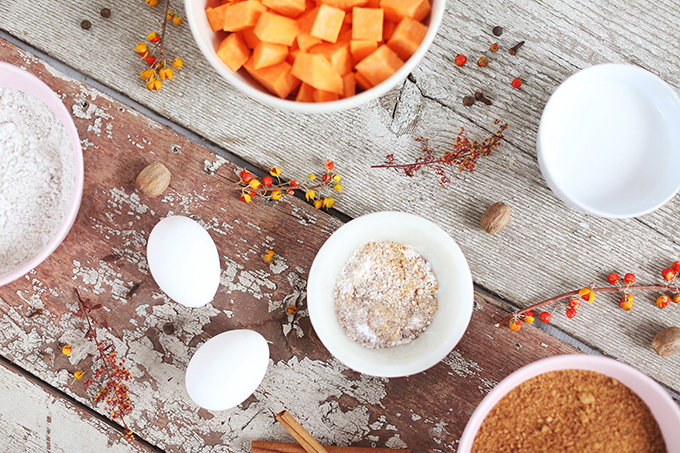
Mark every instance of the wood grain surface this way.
pixel 547 248
pixel 34 420
pixel 157 337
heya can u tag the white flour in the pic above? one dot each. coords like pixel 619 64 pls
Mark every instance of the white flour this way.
pixel 37 177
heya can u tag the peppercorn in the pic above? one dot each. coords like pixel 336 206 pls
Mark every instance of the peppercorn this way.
pixel 497 30
pixel 460 60
pixel 515 48
pixel 168 328
pixel 494 47
pixel 516 83
pixel 85 25
pixel 468 101
pixel 482 62
pixel 105 12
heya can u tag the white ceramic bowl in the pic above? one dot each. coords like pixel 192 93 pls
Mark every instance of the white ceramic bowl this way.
pixel 18 79
pixel 455 295
pixel 208 41
pixel 609 141
pixel 664 409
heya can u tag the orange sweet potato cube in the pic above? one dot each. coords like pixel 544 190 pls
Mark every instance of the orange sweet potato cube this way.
pixel 288 8
pixel 216 16
pixel 337 54
pixel 367 24
pixel 249 37
pixel 276 29
pixel 306 41
pixel 327 23
pixel 306 93
pixel 388 29
pixel 292 55
pixel 276 78
pixel 267 54
pixel 362 81
pixel 239 16
pixel 233 52
pixel 345 35
pixel 407 37
pixel 349 85
pixel 396 10
pixel 325 96
pixel 379 65
pixel 362 49
pixel 315 70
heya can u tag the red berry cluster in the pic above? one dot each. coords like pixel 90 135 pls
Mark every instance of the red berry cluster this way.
pixel 669 275
pixel 626 301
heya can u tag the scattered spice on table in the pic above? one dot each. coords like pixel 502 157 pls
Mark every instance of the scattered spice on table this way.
pixel 570 410
pixel 85 25
pixel 497 30
pixel 513 50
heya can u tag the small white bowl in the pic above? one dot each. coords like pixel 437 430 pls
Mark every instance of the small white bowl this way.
pixel 455 295
pixel 662 406
pixel 208 41
pixel 18 79
pixel 609 141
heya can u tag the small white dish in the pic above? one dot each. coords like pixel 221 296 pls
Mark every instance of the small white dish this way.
pixel 662 406
pixel 208 41
pixel 609 141
pixel 455 295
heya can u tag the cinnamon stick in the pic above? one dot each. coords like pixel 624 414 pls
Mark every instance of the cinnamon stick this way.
pixel 300 434
pixel 259 446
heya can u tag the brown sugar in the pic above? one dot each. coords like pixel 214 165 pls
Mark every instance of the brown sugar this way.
pixel 570 411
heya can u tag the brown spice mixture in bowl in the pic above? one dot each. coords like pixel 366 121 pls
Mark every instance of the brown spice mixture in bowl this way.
pixel 574 403
pixel 570 411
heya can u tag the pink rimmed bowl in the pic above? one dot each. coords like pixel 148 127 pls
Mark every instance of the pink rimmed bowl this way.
pixel 18 79
pixel 665 410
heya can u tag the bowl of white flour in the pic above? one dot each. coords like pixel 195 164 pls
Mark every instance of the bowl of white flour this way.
pixel 41 172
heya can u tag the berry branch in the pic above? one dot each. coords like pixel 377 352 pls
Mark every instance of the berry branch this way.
pixel 114 392
pixel 159 69
pixel 588 295
pixel 464 156
pixel 320 192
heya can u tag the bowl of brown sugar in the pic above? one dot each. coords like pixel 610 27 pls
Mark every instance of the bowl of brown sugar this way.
pixel 575 403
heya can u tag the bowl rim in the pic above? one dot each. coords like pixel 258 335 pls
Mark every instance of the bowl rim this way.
pixel 546 169
pixel 452 272
pixel 24 81
pixel 264 97
pixel 665 410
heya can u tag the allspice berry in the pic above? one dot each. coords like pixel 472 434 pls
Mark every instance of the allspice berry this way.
pixel 667 342
pixel 153 180
pixel 495 218
pixel 85 25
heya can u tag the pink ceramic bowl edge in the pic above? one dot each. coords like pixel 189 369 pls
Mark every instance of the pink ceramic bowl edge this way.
pixel 664 409
pixel 16 78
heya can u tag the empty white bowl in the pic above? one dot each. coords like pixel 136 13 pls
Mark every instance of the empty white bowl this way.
pixel 662 406
pixel 208 41
pixel 18 79
pixel 609 141
pixel 455 295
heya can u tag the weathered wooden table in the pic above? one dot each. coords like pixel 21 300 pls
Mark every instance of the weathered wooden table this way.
pixel 197 120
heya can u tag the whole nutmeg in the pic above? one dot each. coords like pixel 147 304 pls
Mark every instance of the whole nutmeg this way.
pixel 495 218
pixel 667 342
pixel 153 180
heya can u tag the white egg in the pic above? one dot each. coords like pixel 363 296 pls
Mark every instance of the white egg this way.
pixel 183 260
pixel 227 369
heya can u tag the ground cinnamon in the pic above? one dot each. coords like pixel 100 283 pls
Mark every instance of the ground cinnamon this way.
pixel 570 411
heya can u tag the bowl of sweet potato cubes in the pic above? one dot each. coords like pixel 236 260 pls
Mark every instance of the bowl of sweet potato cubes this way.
pixel 314 56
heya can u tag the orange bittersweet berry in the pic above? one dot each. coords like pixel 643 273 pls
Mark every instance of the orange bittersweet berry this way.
pixel 318 204
pixel 177 63
pixel 166 73
pixel 141 48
